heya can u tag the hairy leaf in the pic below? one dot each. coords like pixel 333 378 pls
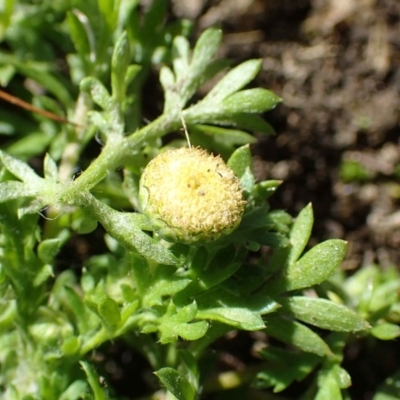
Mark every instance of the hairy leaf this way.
pixel 324 314
pixel 176 383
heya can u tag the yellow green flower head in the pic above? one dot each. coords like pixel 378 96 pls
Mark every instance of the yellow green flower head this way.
pixel 191 196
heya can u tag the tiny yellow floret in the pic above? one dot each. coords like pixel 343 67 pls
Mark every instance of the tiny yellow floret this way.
pixel 190 195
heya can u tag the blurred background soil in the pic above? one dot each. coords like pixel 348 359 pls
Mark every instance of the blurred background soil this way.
pixel 336 65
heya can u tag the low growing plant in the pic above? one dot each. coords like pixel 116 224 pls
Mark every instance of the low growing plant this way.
pixel 192 249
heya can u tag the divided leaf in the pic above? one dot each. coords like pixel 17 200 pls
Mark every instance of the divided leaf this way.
pixel 178 322
pixel 20 169
pixel 313 268
pixel 234 80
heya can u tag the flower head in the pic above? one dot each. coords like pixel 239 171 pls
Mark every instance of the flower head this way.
pixel 191 196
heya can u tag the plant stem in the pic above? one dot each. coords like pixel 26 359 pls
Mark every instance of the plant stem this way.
pixel 74 148
pixel 95 341
pixel 114 153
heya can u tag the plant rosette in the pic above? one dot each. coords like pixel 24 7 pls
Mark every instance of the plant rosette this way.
pixel 191 196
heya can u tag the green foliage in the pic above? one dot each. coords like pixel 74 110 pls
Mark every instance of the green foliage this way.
pixel 169 301
pixel 354 171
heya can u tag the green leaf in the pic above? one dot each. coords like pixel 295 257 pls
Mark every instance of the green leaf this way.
pixel 165 282
pixel 127 229
pixel 220 268
pixel 313 268
pixel 176 383
pixel 10 190
pixel 220 140
pixel 84 224
pixel 328 387
pixel 230 297
pixel 192 331
pixel 20 169
pixel 324 313
pixel 109 11
pixel 7 72
pixel 241 318
pixel 300 233
pixel 78 308
pixel 127 311
pixel 45 78
pixel 342 376
pixel 71 346
pixel 241 161
pixel 48 249
pixel 188 367
pixel 234 80
pixel 74 390
pixel 78 35
pixel 154 19
pixel 5 16
pixel 167 79
pixel 250 101
pixel 285 367
pixel 98 91
pixel 178 322
pixel 250 122
pixel 109 311
pixel 256 226
pixel 241 164
pixel 94 381
pixel 205 49
pixel 181 52
pixel 261 191
pixel 30 145
pixel 296 334
pixel 189 79
pixel 386 331
pixel 50 168
pixel 42 275
pixel 109 122
pixel 383 296
pixel 119 66
pixel 172 97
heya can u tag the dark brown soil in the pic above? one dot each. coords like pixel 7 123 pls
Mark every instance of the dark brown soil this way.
pixel 336 65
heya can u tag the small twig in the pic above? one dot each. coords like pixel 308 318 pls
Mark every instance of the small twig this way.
pixel 186 131
pixel 27 106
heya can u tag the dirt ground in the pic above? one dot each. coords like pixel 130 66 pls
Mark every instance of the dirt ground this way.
pixel 336 65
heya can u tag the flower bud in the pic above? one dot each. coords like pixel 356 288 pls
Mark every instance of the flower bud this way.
pixel 191 196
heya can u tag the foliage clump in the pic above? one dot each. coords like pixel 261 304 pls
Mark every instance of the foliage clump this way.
pixel 169 300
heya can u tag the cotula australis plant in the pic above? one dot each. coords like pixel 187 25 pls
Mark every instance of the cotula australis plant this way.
pixel 175 273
